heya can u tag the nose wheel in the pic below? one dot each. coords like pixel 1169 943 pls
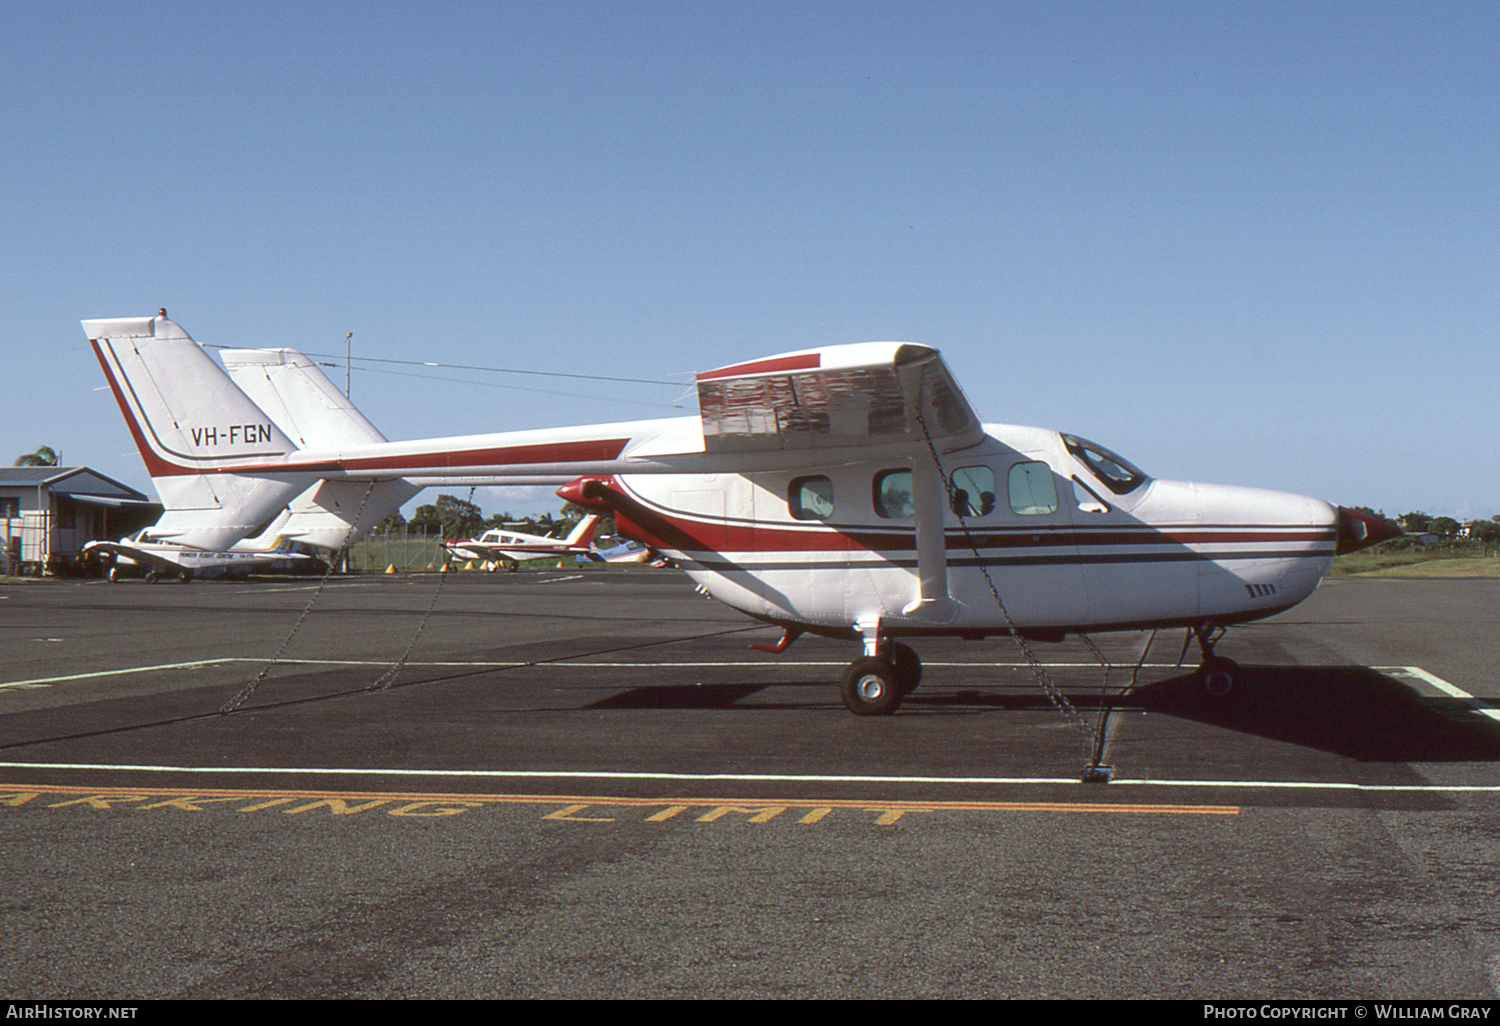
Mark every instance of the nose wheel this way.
pixel 1217 673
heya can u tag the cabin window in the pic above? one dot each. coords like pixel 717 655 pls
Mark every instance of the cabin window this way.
pixel 1031 489
pixel 973 491
pixel 893 494
pixel 810 498
pixel 10 508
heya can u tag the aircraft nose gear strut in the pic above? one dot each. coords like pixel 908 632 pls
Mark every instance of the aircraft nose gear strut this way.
pixel 1217 673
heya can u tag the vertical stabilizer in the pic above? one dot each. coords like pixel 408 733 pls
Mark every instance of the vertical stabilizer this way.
pixel 583 533
pixel 312 411
pixel 210 450
pixel 301 400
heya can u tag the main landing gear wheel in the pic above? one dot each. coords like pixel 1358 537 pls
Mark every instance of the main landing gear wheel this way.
pixel 908 667
pixel 871 687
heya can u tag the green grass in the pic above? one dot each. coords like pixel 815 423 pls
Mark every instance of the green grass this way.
pixel 1433 561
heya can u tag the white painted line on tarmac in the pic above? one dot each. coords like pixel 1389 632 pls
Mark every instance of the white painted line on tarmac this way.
pixel 758 778
pixel 1477 705
pixel 40 681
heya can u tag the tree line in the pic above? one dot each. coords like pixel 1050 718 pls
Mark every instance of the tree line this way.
pixel 451 517
pixel 1417 522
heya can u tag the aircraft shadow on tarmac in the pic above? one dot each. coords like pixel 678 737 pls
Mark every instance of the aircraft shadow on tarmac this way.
pixel 1350 711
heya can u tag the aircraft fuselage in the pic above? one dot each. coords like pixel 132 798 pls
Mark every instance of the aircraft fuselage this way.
pixel 1065 552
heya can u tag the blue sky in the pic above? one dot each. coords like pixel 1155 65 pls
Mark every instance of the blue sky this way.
pixel 1246 243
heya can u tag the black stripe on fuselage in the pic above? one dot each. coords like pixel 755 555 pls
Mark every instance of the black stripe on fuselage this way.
pixel 910 563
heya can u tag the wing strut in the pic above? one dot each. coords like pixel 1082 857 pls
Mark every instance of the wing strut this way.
pixel 934 603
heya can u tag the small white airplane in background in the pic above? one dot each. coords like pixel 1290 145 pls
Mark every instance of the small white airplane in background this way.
pixel 145 553
pixel 628 552
pixel 849 491
pixel 510 548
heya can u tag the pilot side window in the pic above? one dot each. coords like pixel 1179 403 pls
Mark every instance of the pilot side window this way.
pixel 810 498
pixel 1031 489
pixel 893 494
pixel 973 491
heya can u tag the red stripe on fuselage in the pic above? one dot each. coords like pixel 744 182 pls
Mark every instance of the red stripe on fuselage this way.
pixel 669 529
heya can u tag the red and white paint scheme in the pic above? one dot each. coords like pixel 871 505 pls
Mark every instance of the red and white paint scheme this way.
pixel 848 491
pixel 503 546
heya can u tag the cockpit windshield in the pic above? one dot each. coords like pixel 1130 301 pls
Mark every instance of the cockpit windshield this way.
pixel 1117 474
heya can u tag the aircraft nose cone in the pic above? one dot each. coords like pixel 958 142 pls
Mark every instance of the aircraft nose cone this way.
pixel 1360 531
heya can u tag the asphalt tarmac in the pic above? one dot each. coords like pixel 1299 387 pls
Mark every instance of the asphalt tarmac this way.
pixel 586 785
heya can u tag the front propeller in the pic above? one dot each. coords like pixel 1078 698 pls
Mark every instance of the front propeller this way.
pixel 1360 530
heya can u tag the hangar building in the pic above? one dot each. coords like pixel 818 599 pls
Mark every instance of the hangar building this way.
pixel 48 513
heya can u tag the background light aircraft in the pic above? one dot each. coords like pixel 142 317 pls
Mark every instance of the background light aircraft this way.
pixel 503 546
pixel 156 559
pixel 849 491
pixel 628 552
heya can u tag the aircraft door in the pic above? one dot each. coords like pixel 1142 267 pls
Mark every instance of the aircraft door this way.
pixel 1025 541
pixel 758 566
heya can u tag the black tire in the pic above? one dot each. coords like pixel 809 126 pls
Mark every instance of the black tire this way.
pixel 870 688
pixel 908 667
pixel 1218 675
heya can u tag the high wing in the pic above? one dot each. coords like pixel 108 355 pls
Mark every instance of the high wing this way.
pixel 851 395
